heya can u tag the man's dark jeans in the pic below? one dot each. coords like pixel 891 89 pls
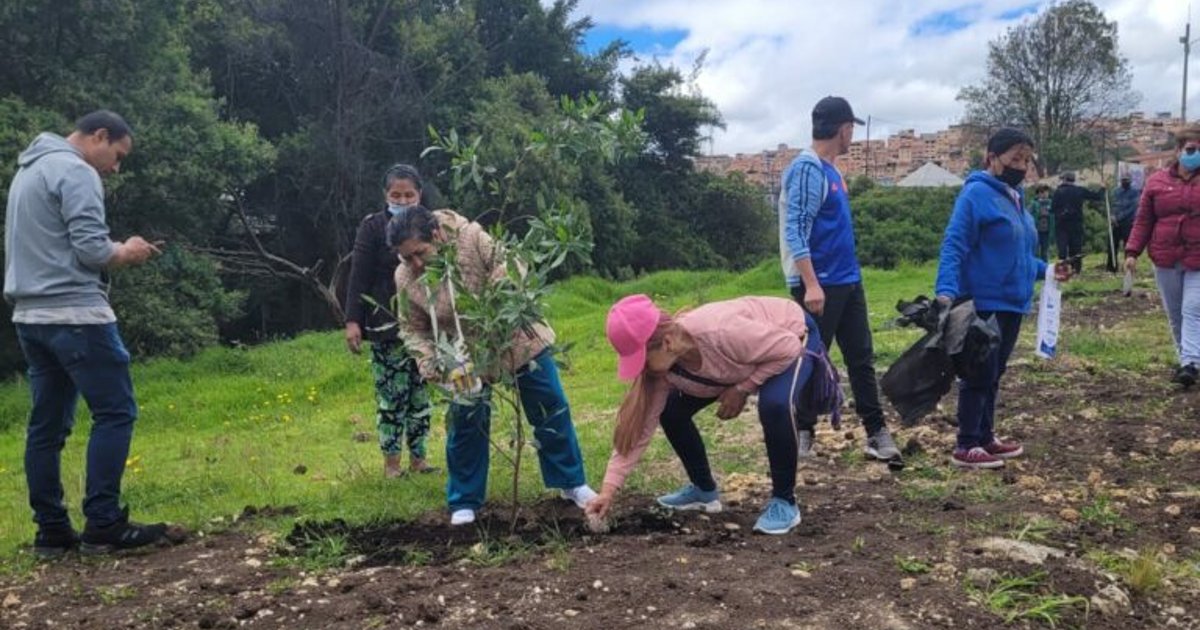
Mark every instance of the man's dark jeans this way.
pixel 1070 242
pixel 64 362
pixel 845 320
pixel 1120 237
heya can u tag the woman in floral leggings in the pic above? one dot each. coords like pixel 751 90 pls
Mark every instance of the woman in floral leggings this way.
pixel 403 407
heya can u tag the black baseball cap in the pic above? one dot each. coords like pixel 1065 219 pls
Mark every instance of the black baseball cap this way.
pixel 833 110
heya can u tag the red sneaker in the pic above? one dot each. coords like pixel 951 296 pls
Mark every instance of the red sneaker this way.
pixel 1004 450
pixel 975 458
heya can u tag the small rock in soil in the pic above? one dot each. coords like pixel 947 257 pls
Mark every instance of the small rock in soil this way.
pixel 982 576
pixel 245 612
pixel 1173 510
pixel 908 584
pixel 1181 447
pixel 1069 515
pixel 1019 550
pixel 1031 482
pixel 597 525
pixel 732 527
pixel 1111 601
pixel 1052 498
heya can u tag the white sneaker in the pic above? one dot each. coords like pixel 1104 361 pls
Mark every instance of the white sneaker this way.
pixel 581 495
pixel 462 517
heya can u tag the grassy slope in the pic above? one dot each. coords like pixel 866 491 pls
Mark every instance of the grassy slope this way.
pixel 230 428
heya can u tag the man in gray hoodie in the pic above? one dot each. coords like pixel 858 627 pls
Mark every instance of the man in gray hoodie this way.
pixel 57 252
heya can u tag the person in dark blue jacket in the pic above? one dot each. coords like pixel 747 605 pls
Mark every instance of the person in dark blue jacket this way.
pixel 1124 207
pixel 989 254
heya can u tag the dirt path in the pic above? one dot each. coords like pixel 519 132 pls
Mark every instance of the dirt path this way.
pixel 1112 470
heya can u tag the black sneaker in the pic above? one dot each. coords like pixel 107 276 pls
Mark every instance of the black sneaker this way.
pixel 53 542
pixel 1187 375
pixel 126 534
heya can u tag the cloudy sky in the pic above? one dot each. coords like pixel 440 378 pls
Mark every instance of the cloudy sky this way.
pixel 901 62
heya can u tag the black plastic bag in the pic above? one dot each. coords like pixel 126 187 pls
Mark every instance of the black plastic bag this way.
pixel 956 343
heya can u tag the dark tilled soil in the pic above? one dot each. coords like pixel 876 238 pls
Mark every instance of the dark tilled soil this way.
pixel 1112 468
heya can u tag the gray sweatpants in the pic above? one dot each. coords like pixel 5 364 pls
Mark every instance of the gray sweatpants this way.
pixel 1180 290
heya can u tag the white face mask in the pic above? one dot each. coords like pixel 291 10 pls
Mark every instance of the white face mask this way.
pixel 396 209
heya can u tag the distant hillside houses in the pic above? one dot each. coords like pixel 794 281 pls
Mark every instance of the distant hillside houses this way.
pixel 890 160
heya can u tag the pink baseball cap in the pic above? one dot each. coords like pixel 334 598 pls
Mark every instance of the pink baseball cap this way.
pixel 631 323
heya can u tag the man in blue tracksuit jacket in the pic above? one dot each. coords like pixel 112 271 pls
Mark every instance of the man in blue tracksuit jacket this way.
pixel 989 253
pixel 820 264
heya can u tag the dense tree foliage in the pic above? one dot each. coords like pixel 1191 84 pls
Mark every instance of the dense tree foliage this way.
pixel 263 127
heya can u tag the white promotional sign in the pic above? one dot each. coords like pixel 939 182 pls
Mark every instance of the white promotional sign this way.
pixel 1048 316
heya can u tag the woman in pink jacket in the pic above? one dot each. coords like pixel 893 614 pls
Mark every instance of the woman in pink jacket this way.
pixel 1168 223
pixel 720 352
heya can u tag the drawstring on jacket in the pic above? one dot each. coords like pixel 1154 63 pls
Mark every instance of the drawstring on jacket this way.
pixel 825 395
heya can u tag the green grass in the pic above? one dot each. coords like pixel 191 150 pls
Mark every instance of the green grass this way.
pixel 912 565
pixel 1037 529
pixel 274 425
pixel 1146 571
pixel 1102 513
pixel 110 595
pixel 1025 597
pixel 319 553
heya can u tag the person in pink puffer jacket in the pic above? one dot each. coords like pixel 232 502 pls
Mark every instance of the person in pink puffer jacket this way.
pixel 1168 224
pixel 717 353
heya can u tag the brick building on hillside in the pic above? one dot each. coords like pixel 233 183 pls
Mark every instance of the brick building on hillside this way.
pixel 890 160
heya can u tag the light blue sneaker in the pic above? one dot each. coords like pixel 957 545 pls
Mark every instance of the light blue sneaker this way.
pixel 690 497
pixel 778 518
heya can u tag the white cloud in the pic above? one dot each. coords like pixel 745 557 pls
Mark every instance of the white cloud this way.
pixel 770 60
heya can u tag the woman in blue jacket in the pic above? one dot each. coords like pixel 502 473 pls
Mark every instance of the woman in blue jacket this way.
pixel 989 254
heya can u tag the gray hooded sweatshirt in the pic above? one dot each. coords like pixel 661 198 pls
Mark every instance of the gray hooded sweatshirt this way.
pixel 56 244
